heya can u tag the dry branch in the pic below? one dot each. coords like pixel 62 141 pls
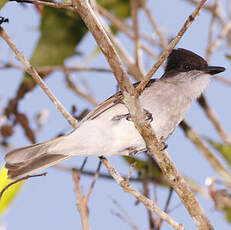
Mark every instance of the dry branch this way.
pixel 121 26
pixel 80 92
pixel 162 38
pixel 134 12
pixel 213 118
pixel 18 180
pixel 46 3
pixel 147 202
pixel 81 202
pixel 210 157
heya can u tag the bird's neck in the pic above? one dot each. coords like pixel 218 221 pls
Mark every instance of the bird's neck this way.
pixel 192 86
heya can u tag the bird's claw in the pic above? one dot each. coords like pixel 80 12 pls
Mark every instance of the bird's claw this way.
pixel 148 115
pixel 164 145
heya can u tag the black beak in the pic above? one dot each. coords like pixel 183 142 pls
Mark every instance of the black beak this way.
pixel 215 69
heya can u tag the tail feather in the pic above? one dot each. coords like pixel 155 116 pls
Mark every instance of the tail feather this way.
pixel 16 171
pixel 24 161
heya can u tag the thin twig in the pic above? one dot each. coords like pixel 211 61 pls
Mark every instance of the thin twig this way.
pixel 46 3
pixel 132 167
pixel 196 188
pixel 145 183
pixel 83 165
pixel 165 207
pixel 31 70
pixel 223 80
pixel 121 26
pixel 126 218
pixel 128 60
pixel 147 202
pixel 213 46
pixel 211 31
pixel 18 180
pixel 210 157
pixel 48 69
pixel 80 92
pixel 82 201
pixel 169 48
pixel 161 180
pixel 71 69
pixel 213 118
pixel 81 204
pixel 163 40
pixel 210 8
pixel 134 12
pixel 210 49
pixel 93 182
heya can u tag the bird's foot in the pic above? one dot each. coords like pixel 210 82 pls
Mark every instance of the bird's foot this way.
pixel 132 151
pixel 148 115
pixel 3 20
pixel 164 145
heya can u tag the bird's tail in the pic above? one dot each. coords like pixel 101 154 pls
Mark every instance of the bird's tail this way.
pixel 24 161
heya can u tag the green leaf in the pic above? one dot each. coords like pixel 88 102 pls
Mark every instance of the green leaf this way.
pixel 2 3
pixel 224 149
pixel 228 57
pixel 227 212
pixel 61 31
pixel 148 168
pixel 121 8
pixel 10 193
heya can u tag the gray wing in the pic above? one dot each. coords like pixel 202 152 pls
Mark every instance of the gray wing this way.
pixel 109 103
pixel 104 106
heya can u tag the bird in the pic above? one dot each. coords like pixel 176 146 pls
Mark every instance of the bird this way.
pixel 108 130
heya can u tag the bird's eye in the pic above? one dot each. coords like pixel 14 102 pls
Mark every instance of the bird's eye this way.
pixel 187 67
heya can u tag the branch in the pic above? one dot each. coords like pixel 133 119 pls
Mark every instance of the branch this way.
pixel 81 204
pixel 18 180
pixel 213 45
pixel 196 188
pixel 166 207
pixel 146 192
pixel 134 12
pixel 211 31
pixel 120 25
pixel 78 91
pixel 223 80
pixel 213 118
pixel 128 60
pixel 163 40
pixel 147 202
pixel 46 3
pixel 48 69
pixel 210 157
pixel 210 8
pixel 124 216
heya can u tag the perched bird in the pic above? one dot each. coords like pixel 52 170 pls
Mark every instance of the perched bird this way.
pixel 108 129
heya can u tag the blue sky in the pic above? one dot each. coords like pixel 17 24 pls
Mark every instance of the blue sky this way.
pixel 49 202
